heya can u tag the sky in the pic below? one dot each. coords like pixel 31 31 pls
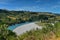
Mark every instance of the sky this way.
pixel 31 5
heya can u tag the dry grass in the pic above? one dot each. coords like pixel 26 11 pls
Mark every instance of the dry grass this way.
pixel 11 17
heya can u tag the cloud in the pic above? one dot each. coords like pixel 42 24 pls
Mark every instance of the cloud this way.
pixel 30 8
pixel 37 1
pixel 5 1
pixel 56 5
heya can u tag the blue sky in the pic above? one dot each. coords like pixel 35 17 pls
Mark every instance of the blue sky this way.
pixel 31 5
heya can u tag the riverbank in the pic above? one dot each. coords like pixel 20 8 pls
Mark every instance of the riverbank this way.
pixel 26 27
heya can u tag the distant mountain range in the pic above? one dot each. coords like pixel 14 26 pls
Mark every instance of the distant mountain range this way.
pixel 10 17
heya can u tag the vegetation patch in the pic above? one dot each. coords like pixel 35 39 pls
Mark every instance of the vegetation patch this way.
pixel 8 18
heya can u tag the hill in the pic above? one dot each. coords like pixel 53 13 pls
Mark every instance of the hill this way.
pixel 8 18
pixel 11 17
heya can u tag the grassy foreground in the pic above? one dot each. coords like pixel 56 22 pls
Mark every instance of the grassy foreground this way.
pixel 49 32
